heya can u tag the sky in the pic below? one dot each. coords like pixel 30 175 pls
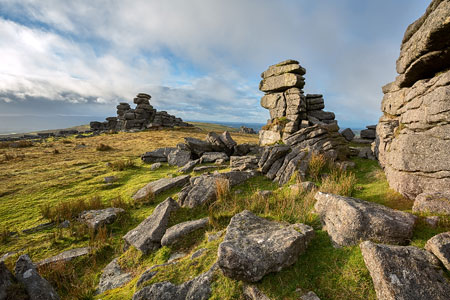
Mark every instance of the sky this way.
pixel 199 59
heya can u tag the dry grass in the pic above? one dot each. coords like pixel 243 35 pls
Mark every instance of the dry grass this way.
pixel 18 144
pixel 316 165
pixel 68 210
pixel 103 147
pixel 339 182
pixel 223 189
pixel 121 165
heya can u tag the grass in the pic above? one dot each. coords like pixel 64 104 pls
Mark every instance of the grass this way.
pixel 44 186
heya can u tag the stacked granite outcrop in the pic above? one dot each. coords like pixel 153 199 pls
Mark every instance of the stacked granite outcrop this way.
pixel 290 110
pixel 413 135
pixel 144 116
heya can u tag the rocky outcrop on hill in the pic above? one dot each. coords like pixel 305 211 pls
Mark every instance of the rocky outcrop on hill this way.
pixel 144 116
pixel 254 247
pixel 247 130
pixel 349 220
pixel 403 273
pixel 413 133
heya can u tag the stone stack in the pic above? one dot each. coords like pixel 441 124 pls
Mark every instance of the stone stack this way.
pixel 413 134
pixel 290 110
pixel 144 116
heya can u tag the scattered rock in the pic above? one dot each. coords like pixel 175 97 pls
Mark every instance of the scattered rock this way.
pixel 439 245
pixel 254 247
pixel 155 166
pixel 251 292
pixel 161 185
pixel 188 167
pixel 197 288
pixel 159 155
pixel 176 256
pixel 198 146
pixel 149 273
pixel 110 179
pixel 97 218
pixel 244 163
pixel 6 280
pixel 206 168
pixel 305 186
pixel 148 234
pixel 432 203
pixel 65 256
pixel 209 157
pixel 176 232
pixel 215 236
pixel 113 277
pixel 404 272
pixel 433 221
pixel 198 253
pixel 179 157
pixel 348 134
pixel 38 227
pixel 309 296
pixel 265 193
pixel 37 287
pixel 350 220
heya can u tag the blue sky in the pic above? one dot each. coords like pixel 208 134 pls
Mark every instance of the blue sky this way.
pixel 199 59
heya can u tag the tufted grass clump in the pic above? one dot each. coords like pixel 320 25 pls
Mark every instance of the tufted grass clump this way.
pixel 68 210
pixel 122 165
pixel 103 147
pixel 317 164
pixel 339 182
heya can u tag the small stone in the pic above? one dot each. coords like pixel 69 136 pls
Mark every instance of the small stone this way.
pixel 64 224
pixel 209 157
pixel 198 253
pixel 176 256
pixel 188 167
pixel 348 134
pixel 155 166
pixel 110 179
pixel 432 203
pixel 215 236
pixel 309 296
pixel 264 193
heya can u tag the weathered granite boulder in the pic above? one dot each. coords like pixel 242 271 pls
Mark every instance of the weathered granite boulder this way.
pixel 176 232
pixel 198 146
pixel 413 133
pixel 254 247
pixel 227 140
pixel 179 157
pixel 6 280
pixel 281 82
pixel 348 134
pixel 209 157
pixel 65 256
pixel 404 273
pixel 216 142
pixel 433 203
pixel 98 218
pixel 161 185
pixel 350 220
pixel 189 166
pixel 244 163
pixel 113 277
pixel 37 287
pixel 158 155
pixel 269 137
pixel 439 245
pixel 148 234
pixel 197 288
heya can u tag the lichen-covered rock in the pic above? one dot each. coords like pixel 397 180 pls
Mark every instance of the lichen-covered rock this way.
pixel 6 280
pixel 269 137
pixel 148 234
pixel 254 246
pixel 65 256
pixel 113 277
pixel 433 203
pixel 439 245
pixel 97 218
pixel 178 231
pixel 161 185
pixel 37 287
pixel 350 220
pixel 179 157
pixel 404 273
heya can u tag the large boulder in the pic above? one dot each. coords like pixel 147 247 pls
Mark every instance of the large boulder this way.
pixel 37 287
pixel 282 82
pixel 179 157
pixel 433 203
pixel 178 231
pixel 439 245
pixel 269 137
pixel 348 134
pixel 148 234
pixel 413 133
pixel 287 66
pixel 350 220
pixel 197 146
pixel 6 280
pixel 113 277
pixel 404 273
pixel 161 185
pixel 98 218
pixel 254 246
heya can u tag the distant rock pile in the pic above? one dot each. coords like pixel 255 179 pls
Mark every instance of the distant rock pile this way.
pixel 144 116
pixel 290 110
pixel 413 133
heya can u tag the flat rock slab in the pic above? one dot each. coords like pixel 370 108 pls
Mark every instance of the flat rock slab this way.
pixel 97 218
pixel 432 203
pixel 254 246
pixel 179 157
pixel 404 273
pixel 147 235
pixel 37 287
pixel 113 277
pixel 244 163
pixel 6 280
pixel 161 185
pixel 65 256
pixel 189 166
pixel 197 288
pixel 176 232
pixel 439 245
pixel 159 155
pixel 350 220
pixel 209 157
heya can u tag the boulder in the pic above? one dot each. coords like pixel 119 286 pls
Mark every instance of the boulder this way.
pixel 321 115
pixel 349 220
pixel 189 166
pixel 113 277
pixel 348 134
pixel 439 245
pixel 6 280
pixel 403 273
pixel 98 218
pixel 148 234
pixel 179 157
pixel 65 256
pixel 198 146
pixel 227 140
pixel 287 66
pixel 176 232
pixel 159 155
pixel 161 185
pixel 216 142
pixel 433 203
pixel 368 134
pixel 209 157
pixel 197 288
pixel 254 247
pixel 281 82
pixel 37 287
pixel 243 163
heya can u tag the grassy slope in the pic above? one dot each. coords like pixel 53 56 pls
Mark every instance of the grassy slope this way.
pixel 43 177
